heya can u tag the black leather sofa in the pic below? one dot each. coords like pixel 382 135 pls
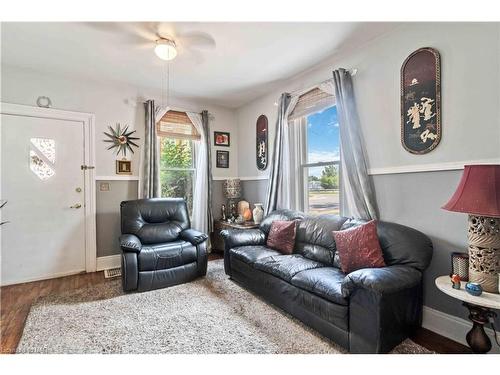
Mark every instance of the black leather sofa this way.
pixel 367 311
pixel 158 247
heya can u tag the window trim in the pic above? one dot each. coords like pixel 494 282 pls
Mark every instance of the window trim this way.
pixel 190 169
pixel 304 164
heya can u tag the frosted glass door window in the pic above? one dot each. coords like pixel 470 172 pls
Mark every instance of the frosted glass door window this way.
pixel 43 157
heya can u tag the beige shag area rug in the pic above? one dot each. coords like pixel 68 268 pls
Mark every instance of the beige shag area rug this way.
pixel 209 315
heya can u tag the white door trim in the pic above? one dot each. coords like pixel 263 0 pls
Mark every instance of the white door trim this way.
pixel 88 120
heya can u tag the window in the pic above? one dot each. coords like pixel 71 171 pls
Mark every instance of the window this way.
pixel 321 167
pixel 177 160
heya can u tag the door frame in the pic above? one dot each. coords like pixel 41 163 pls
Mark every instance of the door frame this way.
pixel 88 121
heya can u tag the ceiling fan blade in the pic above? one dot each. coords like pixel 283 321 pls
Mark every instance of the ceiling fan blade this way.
pixel 197 40
pixel 165 30
pixel 192 54
pixel 135 32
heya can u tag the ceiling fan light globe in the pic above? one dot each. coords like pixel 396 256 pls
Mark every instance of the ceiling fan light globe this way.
pixel 165 49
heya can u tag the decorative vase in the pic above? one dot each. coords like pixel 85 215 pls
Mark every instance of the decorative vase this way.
pixel 473 289
pixel 258 213
pixel 247 214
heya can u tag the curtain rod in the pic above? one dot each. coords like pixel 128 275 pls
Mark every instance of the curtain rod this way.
pixel 180 109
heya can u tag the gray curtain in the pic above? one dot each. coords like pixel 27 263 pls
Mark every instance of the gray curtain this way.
pixel 151 175
pixel 206 129
pixel 276 185
pixel 356 187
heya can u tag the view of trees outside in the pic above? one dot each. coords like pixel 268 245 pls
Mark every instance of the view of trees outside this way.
pixel 176 169
pixel 323 146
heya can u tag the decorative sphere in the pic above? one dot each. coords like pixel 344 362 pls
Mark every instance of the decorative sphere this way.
pixel 474 289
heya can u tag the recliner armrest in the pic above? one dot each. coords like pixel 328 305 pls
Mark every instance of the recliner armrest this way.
pixel 242 237
pixel 193 236
pixel 130 243
pixel 385 280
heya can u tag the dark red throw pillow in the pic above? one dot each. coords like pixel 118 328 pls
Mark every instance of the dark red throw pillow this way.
pixel 359 247
pixel 282 236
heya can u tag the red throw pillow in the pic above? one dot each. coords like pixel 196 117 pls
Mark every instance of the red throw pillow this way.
pixel 282 236
pixel 359 247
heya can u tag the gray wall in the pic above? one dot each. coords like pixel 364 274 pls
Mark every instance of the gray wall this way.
pixel 414 199
pixel 108 214
pixel 253 191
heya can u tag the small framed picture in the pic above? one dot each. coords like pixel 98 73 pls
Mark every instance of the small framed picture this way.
pixel 222 159
pixel 222 139
pixel 123 167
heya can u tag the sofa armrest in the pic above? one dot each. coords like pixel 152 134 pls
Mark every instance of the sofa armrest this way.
pixel 130 243
pixel 193 236
pixel 242 237
pixel 385 280
pixel 385 307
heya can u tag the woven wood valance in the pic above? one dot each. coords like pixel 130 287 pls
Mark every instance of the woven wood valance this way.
pixel 175 124
pixel 312 101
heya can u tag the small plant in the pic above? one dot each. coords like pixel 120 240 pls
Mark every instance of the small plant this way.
pixel 1 206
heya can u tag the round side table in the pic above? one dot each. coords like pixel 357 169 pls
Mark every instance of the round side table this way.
pixel 480 311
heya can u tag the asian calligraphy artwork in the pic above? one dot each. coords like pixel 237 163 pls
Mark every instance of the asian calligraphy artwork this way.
pixel 421 101
pixel 262 147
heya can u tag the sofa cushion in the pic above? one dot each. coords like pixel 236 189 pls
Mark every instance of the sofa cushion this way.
pixel 400 244
pixel 314 237
pixel 154 220
pixel 282 236
pixel 358 247
pixel 166 255
pixel 325 282
pixel 286 266
pixel 250 254
pixel 287 215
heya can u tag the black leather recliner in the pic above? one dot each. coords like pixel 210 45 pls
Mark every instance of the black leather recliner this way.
pixel 370 310
pixel 158 247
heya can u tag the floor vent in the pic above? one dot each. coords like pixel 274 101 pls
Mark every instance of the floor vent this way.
pixel 112 272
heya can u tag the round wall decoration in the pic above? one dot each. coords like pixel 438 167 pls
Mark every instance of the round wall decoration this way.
pixel 121 139
pixel 44 102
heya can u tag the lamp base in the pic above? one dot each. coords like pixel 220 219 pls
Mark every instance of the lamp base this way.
pixel 484 250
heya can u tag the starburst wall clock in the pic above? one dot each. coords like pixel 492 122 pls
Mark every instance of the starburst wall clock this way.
pixel 121 139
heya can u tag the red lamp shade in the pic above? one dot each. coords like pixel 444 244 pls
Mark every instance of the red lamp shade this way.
pixel 478 192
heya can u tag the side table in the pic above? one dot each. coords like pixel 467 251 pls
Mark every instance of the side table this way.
pixel 219 225
pixel 480 311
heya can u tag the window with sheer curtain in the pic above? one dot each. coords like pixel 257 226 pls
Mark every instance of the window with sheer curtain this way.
pixel 317 152
pixel 176 134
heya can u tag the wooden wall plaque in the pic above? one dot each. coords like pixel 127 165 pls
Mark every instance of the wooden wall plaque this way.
pixel 421 101
pixel 262 130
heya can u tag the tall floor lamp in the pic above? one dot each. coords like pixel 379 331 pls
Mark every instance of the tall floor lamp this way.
pixel 478 194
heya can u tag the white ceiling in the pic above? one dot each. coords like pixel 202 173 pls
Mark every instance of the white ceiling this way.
pixel 246 59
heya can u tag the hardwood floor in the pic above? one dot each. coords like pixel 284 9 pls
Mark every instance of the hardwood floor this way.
pixel 16 301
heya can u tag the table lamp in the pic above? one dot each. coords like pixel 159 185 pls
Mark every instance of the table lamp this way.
pixel 478 194
pixel 232 191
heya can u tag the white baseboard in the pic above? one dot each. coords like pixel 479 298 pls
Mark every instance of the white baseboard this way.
pixel 110 261
pixel 54 275
pixel 452 327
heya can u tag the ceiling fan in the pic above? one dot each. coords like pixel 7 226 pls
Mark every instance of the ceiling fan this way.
pixel 164 37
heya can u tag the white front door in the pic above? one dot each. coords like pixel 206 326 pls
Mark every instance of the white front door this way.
pixel 43 184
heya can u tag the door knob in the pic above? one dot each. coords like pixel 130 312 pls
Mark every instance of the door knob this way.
pixel 78 205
